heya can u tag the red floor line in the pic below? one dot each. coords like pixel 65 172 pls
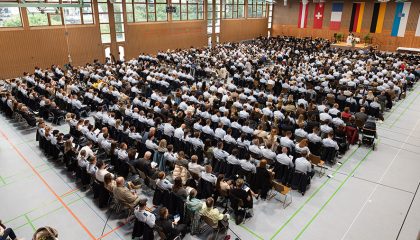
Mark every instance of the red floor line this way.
pixel 70 192
pixel 113 230
pixel 49 187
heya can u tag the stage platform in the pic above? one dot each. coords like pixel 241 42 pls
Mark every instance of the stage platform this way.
pixel 343 45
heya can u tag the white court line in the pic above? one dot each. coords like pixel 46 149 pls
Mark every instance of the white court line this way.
pixel 380 180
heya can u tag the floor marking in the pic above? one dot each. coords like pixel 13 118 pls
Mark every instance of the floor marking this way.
pixel 310 197
pixel 70 191
pixel 405 109
pixel 25 177
pixel 380 180
pixel 48 186
pixel 332 196
pixel 113 230
pixel 250 231
pixel 42 158
pixel 30 223
pixel 350 175
pixel 2 180
pixel 47 213
pixel 405 218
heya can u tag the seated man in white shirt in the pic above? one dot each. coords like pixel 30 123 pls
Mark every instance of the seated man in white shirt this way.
pixel 194 167
pixel 208 175
pixel 219 132
pixel 304 166
pixel 314 136
pixel 286 141
pixel 268 154
pixel 334 110
pixel 219 153
pixel 88 149
pixel 324 116
pixel 207 129
pixel 102 171
pixel 247 165
pixel 144 215
pixel 283 158
pixel 196 141
pixel 254 148
pixel 179 132
pixel 329 141
pixel 162 182
pixel 91 167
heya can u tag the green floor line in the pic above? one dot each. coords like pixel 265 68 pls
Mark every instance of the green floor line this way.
pixel 312 196
pixel 39 207
pixel 25 177
pixel 251 232
pixel 405 109
pixel 357 166
pixel 2 180
pixel 48 213
pixel 40 168
pixel 30 222
pixel 332 196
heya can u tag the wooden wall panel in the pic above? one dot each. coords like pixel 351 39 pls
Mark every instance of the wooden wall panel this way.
pixel 154 37
pixel 285 19
pixel 234 30
pixel 23 49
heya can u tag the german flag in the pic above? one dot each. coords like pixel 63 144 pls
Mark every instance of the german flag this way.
pixel 357 17
pixel 378 17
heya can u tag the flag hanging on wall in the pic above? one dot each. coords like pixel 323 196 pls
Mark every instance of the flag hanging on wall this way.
pixel 319 15
pixel 357 17
pixel 378 17
pixel 337 12
pixel 418 28
pixel 400 19
pixel 303 15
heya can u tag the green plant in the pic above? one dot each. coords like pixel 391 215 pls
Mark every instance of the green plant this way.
pixel 338 37
pixel 368 38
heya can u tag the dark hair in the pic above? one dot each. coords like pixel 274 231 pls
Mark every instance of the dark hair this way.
pixel 220 177
pixel 177 184
pixel 162 212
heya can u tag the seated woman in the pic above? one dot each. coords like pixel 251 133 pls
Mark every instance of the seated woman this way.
pixel 222 186
pixel 170 228
pixel 243 193
pixel 180 169
pixel 264 176
pixel 178 189
pixel 194 206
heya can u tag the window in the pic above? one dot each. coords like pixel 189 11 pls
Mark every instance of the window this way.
pixel 233 9
pixel 257 8
pixel 76 15
pixel 188 10
pixel 104 22
pixel 10 17
pixel 44 16
pixel 270 16
pixel 119 21
pixel 146 10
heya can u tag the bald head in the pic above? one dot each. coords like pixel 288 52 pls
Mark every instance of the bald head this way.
pixel 147 155
pixel 120 181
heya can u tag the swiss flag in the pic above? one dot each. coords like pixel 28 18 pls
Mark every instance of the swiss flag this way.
pixel 319 15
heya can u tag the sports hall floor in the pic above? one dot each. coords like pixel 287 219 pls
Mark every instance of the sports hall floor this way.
pixel 372 195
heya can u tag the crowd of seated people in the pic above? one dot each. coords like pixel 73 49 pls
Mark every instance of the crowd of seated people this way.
pixel 220 122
